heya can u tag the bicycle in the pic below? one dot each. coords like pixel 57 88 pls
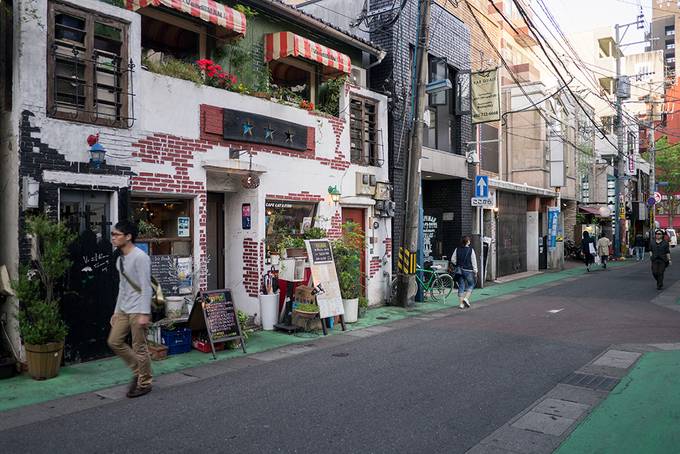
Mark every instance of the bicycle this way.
pixel 438 285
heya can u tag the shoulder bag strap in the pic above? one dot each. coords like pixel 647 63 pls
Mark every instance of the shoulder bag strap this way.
pixel 136 287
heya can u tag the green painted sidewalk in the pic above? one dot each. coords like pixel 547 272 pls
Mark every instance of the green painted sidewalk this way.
pixel 641 415
pixel 96 375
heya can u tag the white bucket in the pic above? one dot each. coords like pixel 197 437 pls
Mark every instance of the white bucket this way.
pixel 174 306
pixel 269 310
pixel 351 310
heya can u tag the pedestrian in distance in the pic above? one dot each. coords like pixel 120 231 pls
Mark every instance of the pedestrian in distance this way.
pixel 132 314
pixel 464 262
pixel 588 248
pixel 603 249
pixel 660 254
pixel 639 246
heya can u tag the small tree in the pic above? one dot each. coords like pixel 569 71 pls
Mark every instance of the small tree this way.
pixel 347 252
pixel 668 169
pixel 39 319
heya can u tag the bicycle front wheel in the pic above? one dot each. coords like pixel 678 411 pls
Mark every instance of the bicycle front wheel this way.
pixel 442 287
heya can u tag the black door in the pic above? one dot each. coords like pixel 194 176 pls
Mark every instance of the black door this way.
pixel 512 233
pixel 215 240
pixel 91 285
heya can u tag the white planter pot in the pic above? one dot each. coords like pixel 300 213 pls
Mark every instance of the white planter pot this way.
pixel 174 306
pixel 351 310
pixel 269 310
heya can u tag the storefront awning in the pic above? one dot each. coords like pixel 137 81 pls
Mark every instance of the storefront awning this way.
pixel 595 211
pixel 286 44
pixel 208 10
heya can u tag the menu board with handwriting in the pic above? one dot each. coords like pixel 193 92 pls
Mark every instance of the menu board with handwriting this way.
pixel 219 317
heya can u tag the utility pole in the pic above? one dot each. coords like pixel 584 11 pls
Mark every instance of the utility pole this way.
pixel 407 281
pixel 621 167
pixel 652 161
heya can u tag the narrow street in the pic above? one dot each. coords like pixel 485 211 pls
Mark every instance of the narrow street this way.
pixel 436 385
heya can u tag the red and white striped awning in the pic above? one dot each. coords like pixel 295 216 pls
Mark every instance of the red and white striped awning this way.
pixel 208 10
pixel 285 44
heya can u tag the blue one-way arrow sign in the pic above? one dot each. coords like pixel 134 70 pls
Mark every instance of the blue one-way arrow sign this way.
pixel 481 186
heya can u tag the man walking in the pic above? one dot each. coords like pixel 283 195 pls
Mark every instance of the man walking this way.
pixel 133 308
pixel 603 249
pixel 660 253
pixel 639 247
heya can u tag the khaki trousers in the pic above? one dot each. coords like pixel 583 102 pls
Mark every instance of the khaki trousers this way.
pixel 137 358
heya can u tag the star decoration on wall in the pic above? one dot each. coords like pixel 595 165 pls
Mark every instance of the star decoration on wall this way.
pixel 248 128
pixel 269 133
pixel 289 136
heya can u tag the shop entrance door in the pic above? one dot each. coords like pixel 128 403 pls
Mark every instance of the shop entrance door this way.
pixel 215 240
pixel 357 215
pixel 91 284
pixel 512 233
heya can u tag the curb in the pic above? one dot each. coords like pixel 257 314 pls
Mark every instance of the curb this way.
pixel 543 426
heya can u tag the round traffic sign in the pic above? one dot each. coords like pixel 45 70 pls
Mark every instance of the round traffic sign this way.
pixel 657 197
pixel 651 201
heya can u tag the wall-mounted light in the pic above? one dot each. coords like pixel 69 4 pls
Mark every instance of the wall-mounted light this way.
pixel 97 155
pixel 334 193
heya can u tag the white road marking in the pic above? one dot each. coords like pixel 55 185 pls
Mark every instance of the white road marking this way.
pixel 555 311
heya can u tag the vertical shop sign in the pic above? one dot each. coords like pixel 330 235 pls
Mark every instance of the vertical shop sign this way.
pixel 486 98
pixel 429 233
pixel 553 217
pixel 245 216
pixel 183 226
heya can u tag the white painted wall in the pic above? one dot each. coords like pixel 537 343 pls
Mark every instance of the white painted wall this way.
pixel 532 240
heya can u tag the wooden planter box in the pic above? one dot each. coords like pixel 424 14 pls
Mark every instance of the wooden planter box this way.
pixel 157 352
pixel 44 360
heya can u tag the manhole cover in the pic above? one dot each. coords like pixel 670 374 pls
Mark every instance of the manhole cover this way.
pixel 382 318
pixel 340 355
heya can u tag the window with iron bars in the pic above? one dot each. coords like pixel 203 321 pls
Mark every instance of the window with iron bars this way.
pixel 88 68
pixel 363 130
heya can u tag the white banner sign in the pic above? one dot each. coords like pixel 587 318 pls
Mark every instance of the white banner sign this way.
pixel 486 100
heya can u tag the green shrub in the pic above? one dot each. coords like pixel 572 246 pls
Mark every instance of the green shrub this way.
pixel 347 255
pixel 175 68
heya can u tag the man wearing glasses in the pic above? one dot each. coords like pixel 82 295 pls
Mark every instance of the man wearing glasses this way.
pixel 133 307
pixel 660 253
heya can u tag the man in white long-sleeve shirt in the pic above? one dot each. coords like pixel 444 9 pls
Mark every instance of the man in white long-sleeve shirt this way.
pixel 133 308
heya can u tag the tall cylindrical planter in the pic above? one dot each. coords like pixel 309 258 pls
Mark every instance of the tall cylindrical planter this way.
pixel 351 310
pixel 44 360
pixel 269 310
pixel 174 306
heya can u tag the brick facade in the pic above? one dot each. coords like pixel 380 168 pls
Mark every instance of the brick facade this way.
pixel 450 38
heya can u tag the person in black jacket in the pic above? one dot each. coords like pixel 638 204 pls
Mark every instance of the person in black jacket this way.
pixel 660 253
pixel 588 253
pixel 639 247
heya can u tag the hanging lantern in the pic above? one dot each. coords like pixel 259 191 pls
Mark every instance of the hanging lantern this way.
pixel 334 193
pixel 250 180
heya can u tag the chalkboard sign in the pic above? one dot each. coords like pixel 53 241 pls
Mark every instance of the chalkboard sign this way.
pixel 321 251
pixel 163 269
pixel 219 317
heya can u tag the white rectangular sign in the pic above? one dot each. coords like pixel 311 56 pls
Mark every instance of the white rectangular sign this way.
pixel 486 99
pixel 324 278
pixel 486 202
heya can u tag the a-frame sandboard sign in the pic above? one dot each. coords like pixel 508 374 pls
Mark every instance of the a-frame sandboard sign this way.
pixel 325 281
pixel 214 312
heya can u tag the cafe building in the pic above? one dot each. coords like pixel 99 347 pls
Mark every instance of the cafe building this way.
pixel 217 163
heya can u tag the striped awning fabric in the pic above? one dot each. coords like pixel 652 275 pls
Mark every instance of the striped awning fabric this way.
pixel 208 10
pixel 285 44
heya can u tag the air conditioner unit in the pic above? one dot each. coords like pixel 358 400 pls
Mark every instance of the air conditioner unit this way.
pixel 366 184
pixel 358 77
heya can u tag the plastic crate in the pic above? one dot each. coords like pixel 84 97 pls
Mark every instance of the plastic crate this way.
pixel 177 340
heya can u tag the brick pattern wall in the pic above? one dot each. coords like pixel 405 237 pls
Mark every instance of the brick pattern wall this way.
pixel 388 246
pixel 37 156
pixel 450 38
pixel 374 266
pixel 335 230
pixel 251 265
pixel 179 153
pixel 303 196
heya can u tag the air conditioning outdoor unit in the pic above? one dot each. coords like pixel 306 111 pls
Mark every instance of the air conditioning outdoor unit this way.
pixel 366 184
pixel 358 77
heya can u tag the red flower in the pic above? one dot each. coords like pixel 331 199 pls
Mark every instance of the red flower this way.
pixel 233 79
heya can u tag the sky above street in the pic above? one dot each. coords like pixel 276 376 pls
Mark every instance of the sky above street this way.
pixel 583 15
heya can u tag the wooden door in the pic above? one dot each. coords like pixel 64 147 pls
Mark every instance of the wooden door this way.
pixel 358 215
pixel 215 240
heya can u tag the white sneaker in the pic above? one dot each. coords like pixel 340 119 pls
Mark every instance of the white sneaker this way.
pixel 466 302
pixel 461 306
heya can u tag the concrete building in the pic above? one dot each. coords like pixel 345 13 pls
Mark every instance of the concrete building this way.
pixel 662 37
pixel 186 156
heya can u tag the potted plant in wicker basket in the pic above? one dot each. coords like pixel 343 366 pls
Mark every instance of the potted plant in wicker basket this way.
pixel 42 329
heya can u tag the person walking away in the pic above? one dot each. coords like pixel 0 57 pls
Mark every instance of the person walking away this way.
pixel 603 249
pixel 588 248
pixel 660 254
pixel 639 245
pixel 132 314
pixel 464 261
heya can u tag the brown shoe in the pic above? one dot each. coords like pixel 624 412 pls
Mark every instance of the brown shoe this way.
pixel 139 391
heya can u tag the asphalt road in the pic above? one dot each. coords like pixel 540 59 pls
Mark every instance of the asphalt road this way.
pixel 439 386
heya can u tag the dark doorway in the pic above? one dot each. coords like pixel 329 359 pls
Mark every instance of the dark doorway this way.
pixel 91 284
pixel 215 240
pixel 512 233
pixel 357 215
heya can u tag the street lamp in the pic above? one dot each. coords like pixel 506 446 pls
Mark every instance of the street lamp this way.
pixel 97 155
pixel 334 193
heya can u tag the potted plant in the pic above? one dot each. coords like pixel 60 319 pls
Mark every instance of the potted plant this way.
pixel 293 246
pixel 347 252
pixel 306 310
pixel 363 306
pixel 42 329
